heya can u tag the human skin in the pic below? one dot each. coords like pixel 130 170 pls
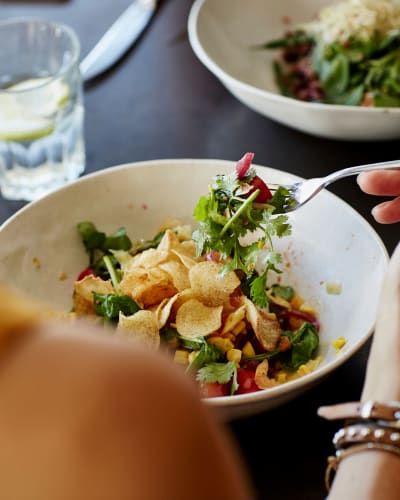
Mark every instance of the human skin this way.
pixel 86 417
pixel 375 475
pixel 383 183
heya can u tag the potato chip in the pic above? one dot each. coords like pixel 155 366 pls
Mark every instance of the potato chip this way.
pixel 179 274
pixel 186 260
pixel 209 286
pixel 169 241
pixel 169 223
pixel 141 327
pixel 163 311
pixel 233 319
pixel 195 319
pixel 147 259
pixel 188 247
pixel 147 286
pixel 83 296
pixel 266 328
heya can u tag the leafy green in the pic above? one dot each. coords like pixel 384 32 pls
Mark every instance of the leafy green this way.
pixel 285 292
pixel 219 372
pixel 304 344
pixel 98 243
pixel 92 239
pixel 353 72
pixel 230 213
pixel 291 40
pixel 109 305
pixel 141 246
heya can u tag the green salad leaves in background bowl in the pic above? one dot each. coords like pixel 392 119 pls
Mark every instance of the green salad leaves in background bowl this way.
pixel 329 68
pixel 350 55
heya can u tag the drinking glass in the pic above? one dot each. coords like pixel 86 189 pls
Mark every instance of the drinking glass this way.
pixel 41 108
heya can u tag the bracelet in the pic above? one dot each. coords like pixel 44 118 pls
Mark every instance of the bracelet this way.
pixel 334 461
pixel 368 410
pixel 365 433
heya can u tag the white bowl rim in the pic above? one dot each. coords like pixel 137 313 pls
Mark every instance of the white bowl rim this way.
pixel 224 76
pixel 262 395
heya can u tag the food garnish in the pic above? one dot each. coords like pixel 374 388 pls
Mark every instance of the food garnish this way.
pixel 349 55
pixel 211 297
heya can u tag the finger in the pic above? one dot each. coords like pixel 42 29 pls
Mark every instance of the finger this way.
pixel 382 182
pixel 387 212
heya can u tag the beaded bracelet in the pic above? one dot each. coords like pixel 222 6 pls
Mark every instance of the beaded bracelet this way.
pixel 365 433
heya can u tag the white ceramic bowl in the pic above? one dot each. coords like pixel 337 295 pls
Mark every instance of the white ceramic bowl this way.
pixel 330 242
pixel 221 33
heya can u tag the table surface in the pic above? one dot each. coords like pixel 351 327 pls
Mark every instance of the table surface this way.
pixel 160 102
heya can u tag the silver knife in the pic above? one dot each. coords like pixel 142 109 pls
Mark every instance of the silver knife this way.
pixel 118 38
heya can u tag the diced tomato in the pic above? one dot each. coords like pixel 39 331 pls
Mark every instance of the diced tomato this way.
pixel 243 165
pixel 89 271
pixel 242 168
pixel 245 378
pixel 213 390
pixel 265 193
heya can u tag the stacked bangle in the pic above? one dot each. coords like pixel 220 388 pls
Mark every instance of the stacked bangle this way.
pixel 368 426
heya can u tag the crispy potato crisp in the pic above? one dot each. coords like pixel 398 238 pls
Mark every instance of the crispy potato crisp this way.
pixel 209 285
pixel 194 319
pixel 141 327
pixel 147 286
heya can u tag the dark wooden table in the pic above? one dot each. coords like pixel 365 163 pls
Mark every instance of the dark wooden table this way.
pixel 160 102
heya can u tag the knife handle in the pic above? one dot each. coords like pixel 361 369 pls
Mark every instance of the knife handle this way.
pixel 118 38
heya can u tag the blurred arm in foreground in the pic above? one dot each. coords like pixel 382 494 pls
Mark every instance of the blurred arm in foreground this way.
pixel 84 416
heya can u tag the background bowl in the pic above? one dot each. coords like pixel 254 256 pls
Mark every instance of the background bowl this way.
pixel 330 242
pixel 222 32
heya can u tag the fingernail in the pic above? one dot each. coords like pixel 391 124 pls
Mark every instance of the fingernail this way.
pixel 360 177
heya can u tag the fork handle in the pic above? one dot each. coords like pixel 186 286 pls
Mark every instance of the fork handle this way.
pixel 346 172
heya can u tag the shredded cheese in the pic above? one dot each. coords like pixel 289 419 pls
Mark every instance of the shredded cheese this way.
pixel 360 19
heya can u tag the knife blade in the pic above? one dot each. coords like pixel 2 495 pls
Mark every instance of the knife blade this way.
pixel 118 38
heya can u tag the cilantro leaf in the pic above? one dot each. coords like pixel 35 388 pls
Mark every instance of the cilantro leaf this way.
pixel 222 373
pixel 207 353
pixel 228 215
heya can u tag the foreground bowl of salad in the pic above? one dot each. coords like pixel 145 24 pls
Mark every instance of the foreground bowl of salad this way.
pixel 327 68
pixel 254 302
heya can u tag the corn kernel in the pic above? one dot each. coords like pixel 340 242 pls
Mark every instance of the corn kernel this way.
pixel 239 328
pixel 234 355
pixel 248 350
pixel 181 357
pixel 339 343
pixel 307 308
pixel 296 302
pixel 228 336
pixel 303 370
pixel 223 344
pixel 281 377
pixel 333 288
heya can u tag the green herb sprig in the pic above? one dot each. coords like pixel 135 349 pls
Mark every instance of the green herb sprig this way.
pixel 227 215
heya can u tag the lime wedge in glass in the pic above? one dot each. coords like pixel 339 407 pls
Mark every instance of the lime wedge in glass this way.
pixel 28 108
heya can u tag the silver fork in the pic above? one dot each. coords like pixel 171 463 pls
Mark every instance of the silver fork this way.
pixel 303 191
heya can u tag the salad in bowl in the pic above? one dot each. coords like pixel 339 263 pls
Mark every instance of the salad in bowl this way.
pixel 211 298
pixel 349 55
